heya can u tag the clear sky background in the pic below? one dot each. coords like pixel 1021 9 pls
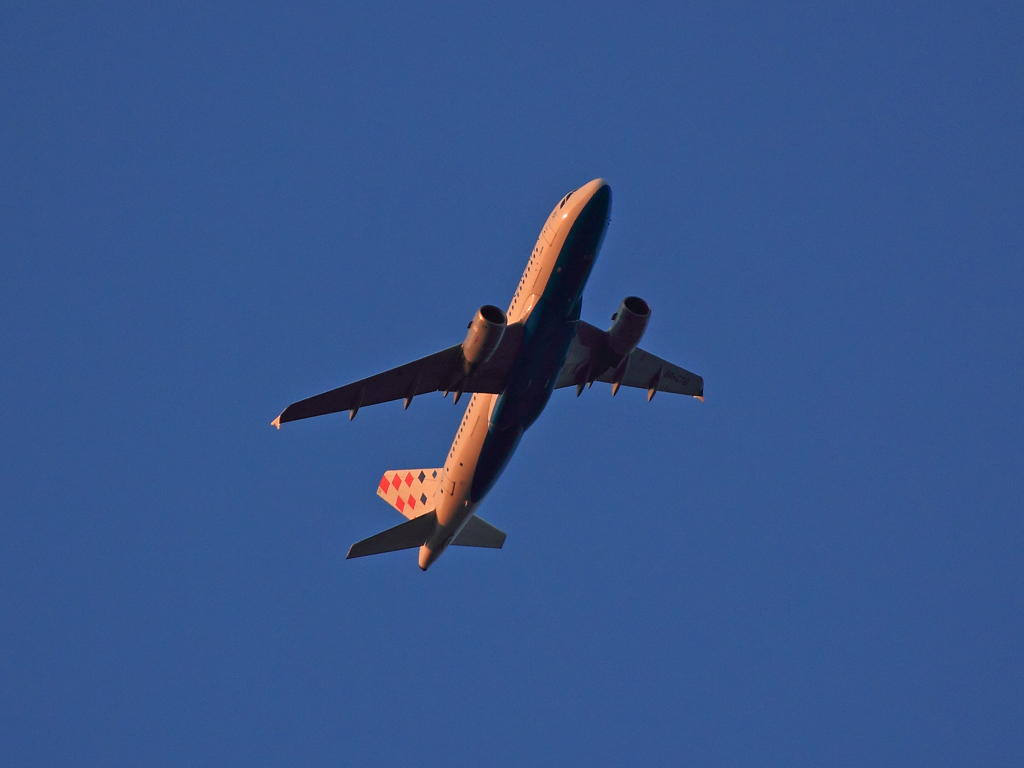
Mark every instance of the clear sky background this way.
pixel 209 211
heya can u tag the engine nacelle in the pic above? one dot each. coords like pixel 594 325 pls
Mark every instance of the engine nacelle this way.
pixel 629 325
pixel 485 332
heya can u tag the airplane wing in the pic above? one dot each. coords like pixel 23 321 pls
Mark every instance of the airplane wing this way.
pixel 440 372
pixel 588 361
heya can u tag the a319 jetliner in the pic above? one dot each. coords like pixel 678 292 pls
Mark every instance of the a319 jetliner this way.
pixel 510 362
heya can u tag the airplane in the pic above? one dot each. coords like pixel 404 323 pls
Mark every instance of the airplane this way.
pixel 510 363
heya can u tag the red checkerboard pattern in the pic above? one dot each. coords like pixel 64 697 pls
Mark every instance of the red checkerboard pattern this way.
pixel 410 491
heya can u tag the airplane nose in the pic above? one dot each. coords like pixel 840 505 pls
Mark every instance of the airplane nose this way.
pixel 596 197
pixel 591 188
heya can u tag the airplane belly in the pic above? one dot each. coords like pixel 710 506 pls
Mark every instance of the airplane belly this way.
pixel 494 456
pixel 532 379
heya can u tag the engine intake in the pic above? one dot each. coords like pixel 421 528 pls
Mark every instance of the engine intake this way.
pixel 629 325
pixel 485 332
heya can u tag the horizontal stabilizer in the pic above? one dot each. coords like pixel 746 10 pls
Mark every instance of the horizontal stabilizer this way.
pixel 408 535
pixel 477 532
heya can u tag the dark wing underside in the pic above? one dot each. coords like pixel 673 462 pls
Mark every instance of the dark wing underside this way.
pixel 440 372
pixel 640 369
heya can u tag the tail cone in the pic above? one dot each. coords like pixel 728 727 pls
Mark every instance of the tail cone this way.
pixel 427 557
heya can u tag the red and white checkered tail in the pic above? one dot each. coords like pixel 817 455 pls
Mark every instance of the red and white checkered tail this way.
pixel 410 491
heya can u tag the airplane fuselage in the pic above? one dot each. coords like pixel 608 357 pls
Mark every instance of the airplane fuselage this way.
pixel 547 303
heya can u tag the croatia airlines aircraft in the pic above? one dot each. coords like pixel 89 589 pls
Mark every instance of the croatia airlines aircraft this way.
pixel 510 362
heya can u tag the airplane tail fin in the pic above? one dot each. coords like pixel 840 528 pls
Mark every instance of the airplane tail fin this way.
pixel 408 535
pixel 409 490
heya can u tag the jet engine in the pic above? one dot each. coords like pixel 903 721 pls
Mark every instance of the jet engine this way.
pixel 628 325
pixel 485 332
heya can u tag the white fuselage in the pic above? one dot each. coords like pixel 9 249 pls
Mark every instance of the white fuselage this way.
pixel 454 499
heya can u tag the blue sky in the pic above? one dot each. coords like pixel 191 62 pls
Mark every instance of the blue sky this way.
pixel 210 211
